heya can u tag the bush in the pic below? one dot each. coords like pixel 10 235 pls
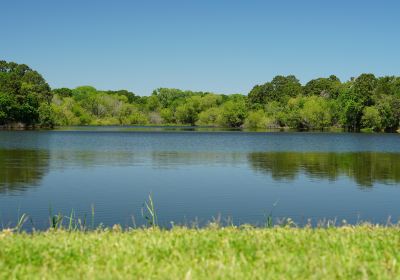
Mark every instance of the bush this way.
pixel 46 116
pixel 233 114
pixel 371 119
pixel 167 116
pixel 209 117
pixel 186 114
pixel 138 118
pixel 256 119
pixel 316 113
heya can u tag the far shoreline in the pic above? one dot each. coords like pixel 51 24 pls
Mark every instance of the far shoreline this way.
pixel 166 127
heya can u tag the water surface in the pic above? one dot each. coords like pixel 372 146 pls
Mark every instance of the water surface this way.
pixel 198 175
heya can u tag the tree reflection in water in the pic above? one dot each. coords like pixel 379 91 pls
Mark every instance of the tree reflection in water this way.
pixel 21 169
pixel 365 168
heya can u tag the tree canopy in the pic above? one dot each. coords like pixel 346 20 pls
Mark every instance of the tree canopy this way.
pixel 22 91
pixel 365 102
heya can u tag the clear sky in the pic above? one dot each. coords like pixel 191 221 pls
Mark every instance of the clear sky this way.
pixel 224 46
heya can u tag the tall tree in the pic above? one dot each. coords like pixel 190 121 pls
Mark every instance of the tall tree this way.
pixel 280 89
pixel 324 87
pixel 25 89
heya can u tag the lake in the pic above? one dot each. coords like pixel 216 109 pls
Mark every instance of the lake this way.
pixel 198 175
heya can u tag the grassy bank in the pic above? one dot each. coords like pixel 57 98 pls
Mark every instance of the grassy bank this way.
pixel 181 253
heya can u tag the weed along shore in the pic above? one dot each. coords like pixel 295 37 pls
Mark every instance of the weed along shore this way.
pixel 347 252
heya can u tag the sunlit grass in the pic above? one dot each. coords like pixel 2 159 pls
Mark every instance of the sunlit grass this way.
pixel 348 252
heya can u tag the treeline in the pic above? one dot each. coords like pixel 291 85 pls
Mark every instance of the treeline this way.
pixel 87 106
pixel 363 103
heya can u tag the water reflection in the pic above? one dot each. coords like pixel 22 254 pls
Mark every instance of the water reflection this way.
pixel 365 168
pixel 90 159
pixel 21 169
pixel 168 160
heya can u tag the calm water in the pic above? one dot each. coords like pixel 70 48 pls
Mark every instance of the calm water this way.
pixel 198 175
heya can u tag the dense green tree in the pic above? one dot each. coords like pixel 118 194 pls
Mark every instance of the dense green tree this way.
pixel 351 107
pixel 388 85
pixel 171 98
pixel 256 119
pixel 46 116
pixel 186 114
pixel 131 97
pixel 389 111
pixel 63 92
pixel 209 116
pixel 233 113
pixel 351 113
pixel 285 87
pixel 152 103
pixel 258 96
pixel 353 97
pixel 22 90
pixel 371 118
pixel 167 115
pixel 363 88
pixel 280 89
pixel 8 108
pixel 316 113
pixel 292 117
pixel 325 87
pixel 210 100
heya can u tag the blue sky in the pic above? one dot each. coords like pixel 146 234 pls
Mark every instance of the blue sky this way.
pixel 224 46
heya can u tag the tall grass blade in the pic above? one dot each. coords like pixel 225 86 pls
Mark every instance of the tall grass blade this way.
pixel 92 218
pixel 151 216
pixel 20 223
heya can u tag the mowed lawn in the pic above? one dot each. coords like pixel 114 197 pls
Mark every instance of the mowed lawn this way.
pixel 351 252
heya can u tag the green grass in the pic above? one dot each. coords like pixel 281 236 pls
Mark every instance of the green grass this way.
pixel 349 252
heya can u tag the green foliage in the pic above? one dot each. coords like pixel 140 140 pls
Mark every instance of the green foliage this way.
pixel 362 102
pixel 388 85
pixel 186 114
pixel 171 98
pixel 63 92
pixel 210 100
pixel 22 90
pixel 152 103
pixel 256 119
pixel 90 106
pixel 322 103
pixel 335 103
pixel 137 117
pixel 8 107
pixel 46 116
pixel 232 113
pixel 167 115
pixel 357 95
pixel 324 87
pixel 280 89
pixel 363 88
pixel 371 118
pixel 258 96
pixel 209 116
pixel 351 112
pixel 316 113
pixel 130 96
pixel 291 116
